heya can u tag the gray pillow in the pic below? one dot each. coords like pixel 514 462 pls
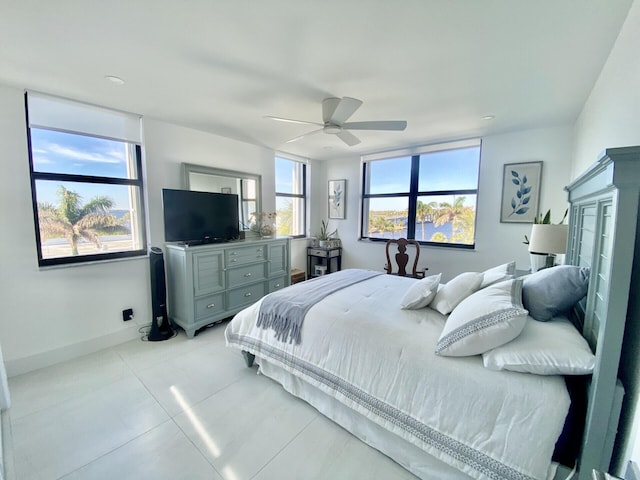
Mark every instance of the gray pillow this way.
pixel 552 291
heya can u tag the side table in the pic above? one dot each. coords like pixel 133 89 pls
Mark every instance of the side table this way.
pixel 323 256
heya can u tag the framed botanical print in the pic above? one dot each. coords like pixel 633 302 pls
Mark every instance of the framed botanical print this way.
pixel 337 196
pixel 520 192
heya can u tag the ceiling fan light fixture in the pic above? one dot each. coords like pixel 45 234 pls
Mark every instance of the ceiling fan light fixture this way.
pixel 334 129
pixel 335 113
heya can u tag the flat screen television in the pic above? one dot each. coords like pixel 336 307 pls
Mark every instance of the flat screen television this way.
pixel 199 217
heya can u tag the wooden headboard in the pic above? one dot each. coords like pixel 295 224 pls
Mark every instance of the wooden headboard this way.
pixel 604 205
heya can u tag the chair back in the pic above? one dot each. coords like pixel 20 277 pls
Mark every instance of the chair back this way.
pixel 402 258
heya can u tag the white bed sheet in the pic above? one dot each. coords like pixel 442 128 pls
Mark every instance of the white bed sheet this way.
pixel 360 348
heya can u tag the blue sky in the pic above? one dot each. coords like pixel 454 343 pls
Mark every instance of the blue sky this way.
pixel 446 170
pixel 58 152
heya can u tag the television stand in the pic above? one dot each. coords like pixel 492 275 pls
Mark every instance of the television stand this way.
pixel 208 283
pixel 204 241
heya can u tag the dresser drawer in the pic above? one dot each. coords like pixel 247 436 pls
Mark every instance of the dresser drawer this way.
pixel 324 253
pixel 277 284
pixel 240 297
pixel 243 275
pixel 209 305
pixel 244 255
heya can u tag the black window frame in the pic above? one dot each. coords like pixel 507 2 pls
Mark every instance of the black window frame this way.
pixel 67 177
pixel 302 196
pixel 412 198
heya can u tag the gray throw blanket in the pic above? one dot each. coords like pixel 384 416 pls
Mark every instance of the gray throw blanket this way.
pixel 284 310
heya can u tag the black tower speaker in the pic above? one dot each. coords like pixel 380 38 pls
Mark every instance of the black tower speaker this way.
pixel 160 326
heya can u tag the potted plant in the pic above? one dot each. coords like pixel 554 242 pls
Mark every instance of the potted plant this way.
pixel 324 236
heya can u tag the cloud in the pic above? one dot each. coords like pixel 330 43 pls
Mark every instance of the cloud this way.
pixel 41 159
pixel 111 157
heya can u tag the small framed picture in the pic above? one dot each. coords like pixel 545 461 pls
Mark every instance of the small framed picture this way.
pixel 337 198
pixel 520 192
pixel 225 190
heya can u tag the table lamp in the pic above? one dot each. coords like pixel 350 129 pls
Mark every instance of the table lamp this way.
pixel 547 240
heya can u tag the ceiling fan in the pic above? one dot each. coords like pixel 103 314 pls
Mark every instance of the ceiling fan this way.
pixel 335 112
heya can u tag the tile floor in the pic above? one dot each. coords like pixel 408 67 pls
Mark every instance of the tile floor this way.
pixel 178 409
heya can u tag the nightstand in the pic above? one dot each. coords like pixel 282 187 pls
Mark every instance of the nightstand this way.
pixel 323 256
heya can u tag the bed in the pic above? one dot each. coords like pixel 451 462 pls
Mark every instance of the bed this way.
pixel 409 383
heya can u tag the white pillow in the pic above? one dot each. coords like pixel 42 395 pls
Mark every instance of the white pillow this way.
pixel 421 293
pixel 487 319
pixel 456 290
pixel 497 274
pixel 544 348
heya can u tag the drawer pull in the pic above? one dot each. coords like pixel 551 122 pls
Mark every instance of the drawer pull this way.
pixel 211 305
pixel 247 274
pixel 248 294
pixel 232 253
pixel 277 285
pixel 233 260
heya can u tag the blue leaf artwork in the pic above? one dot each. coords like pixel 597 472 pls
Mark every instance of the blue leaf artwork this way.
pixel 336 198
pixel 522 196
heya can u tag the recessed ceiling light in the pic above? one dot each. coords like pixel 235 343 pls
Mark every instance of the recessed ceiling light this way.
pixel 114 79
pixel 488 117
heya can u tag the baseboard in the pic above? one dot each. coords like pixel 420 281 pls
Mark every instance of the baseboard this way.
pixel 51 357
pixel 7 446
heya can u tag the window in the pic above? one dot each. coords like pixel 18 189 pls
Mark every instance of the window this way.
pixel 429 194
pixel 291 197
pixel 86 181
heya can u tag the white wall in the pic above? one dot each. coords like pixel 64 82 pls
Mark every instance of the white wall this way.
pixel 495 242
pixel 50 315
pixel 611 115
pixel 611 118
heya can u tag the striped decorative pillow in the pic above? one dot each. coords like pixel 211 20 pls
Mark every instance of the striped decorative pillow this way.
pixel 487 319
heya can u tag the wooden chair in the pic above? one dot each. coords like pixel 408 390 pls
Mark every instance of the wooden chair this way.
pixel 402 258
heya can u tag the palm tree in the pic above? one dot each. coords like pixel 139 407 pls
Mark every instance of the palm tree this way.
pixel 424 211
pixel 464 226
pixel 73 221
pixel 461 218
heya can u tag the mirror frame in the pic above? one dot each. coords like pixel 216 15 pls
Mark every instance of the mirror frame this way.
pixel 189 168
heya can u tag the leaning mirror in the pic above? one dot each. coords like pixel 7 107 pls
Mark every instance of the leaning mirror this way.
pixel 245 185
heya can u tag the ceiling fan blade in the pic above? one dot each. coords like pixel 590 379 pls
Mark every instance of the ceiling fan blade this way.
pixel 337 110
pixel 348 138
pixel 329 106
pixel 397 125
pixel 295 139
pixel 289 120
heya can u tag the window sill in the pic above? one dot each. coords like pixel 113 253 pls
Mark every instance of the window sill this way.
pixel 144 256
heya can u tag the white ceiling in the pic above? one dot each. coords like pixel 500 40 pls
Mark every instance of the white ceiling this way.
pixel 221 65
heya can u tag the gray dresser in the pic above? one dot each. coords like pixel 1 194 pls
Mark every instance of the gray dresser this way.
pixel 207 283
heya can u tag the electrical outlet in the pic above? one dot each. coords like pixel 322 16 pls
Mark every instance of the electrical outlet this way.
pixel 127 314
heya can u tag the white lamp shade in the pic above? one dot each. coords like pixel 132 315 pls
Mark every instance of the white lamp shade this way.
pixel 548 238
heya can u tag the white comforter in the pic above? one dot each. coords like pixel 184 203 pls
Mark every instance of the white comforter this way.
pixel 360 347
